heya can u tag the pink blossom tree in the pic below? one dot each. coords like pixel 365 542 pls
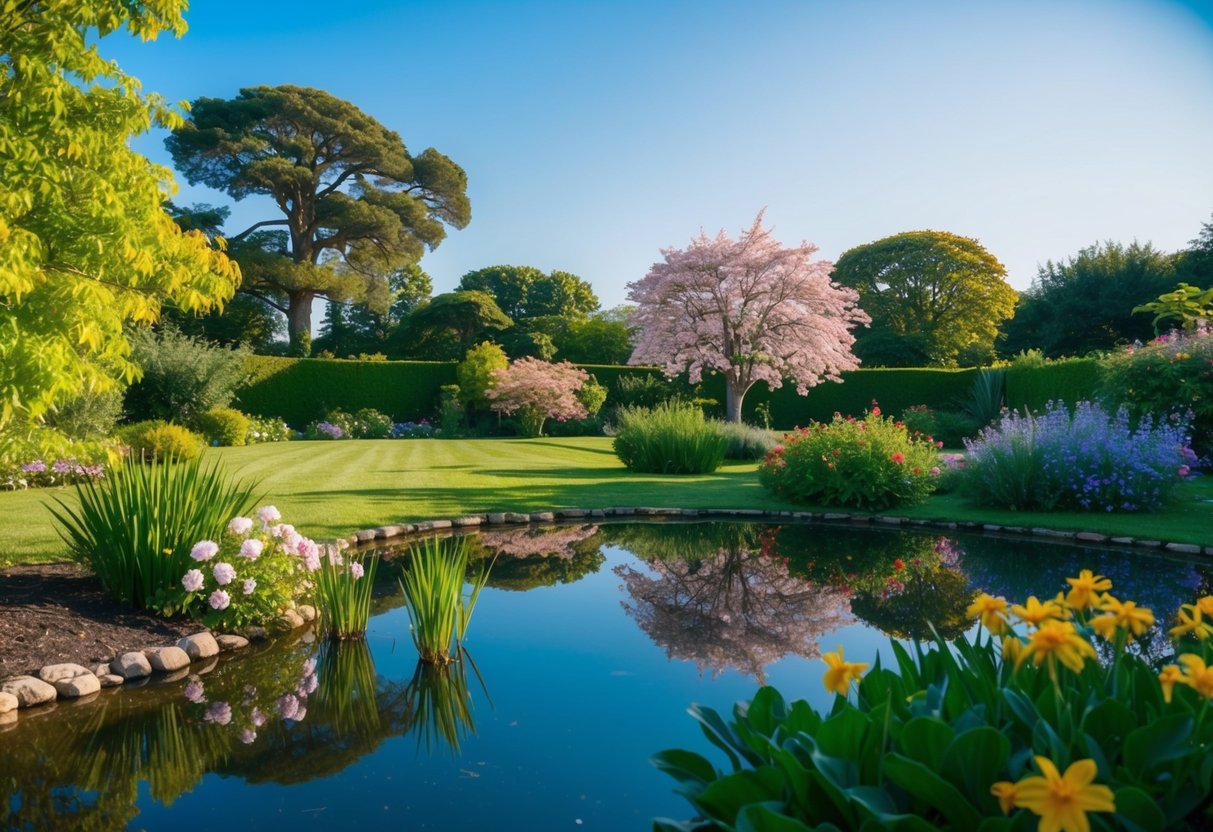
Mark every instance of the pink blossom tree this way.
pixel 537 390
pixel 748 308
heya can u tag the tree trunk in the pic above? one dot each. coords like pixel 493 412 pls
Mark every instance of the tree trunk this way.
pixel 299 321
pixel 733 397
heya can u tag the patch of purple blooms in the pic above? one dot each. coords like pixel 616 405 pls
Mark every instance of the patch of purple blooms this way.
pixel 1088 460
pixel 38 474
pixel 330 430
pixel 412 430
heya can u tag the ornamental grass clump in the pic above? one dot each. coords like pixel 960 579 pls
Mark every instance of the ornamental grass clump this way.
pixel 1046 720
pixel 1087 460
pixel 871 463
pixel 251 573
pixel 438 611
pixel 671 438
pixel 135 528
pixel 344 584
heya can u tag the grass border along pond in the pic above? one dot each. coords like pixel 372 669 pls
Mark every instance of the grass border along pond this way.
pixel 336 488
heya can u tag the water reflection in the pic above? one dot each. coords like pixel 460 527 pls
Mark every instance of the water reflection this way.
pixel 713 596
pixel 439 701
pixel 533 557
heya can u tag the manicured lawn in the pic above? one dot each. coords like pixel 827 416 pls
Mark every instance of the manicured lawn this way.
pixel 330 489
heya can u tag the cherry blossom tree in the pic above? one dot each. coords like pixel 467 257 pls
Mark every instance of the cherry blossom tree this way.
pixel 537 390
pixel 748 308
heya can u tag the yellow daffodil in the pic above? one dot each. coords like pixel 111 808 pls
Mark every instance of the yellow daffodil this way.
pixel 1192 620
pixel 1123 615
pixel 1034 612
pixel 1085 588
pixel 1004 790
pixel 1060 639
pixel 992 611
pixel 1167 679
pixel 1205 605
pixel 1197 675
pixel 841 673
pixel 1011 648
pixel 1063 800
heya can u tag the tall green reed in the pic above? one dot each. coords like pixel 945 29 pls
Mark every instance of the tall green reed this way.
pixel 439 612
pixel 135 528
pixel 344 584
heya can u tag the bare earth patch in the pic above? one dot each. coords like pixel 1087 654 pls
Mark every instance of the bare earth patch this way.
pixel 57 612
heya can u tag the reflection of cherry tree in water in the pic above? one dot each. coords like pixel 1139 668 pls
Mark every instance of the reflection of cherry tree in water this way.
pixel 735 608
pixel 529 558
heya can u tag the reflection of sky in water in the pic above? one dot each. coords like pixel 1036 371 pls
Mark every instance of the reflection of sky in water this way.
pixel 578 698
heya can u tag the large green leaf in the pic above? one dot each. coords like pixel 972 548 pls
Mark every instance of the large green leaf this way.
pixel 1166 739
pixel 1137 811
pixel 927 787
pixel 684 766
pixel 723 799
pixel 924 739
pixel 767 817
pixel 974 760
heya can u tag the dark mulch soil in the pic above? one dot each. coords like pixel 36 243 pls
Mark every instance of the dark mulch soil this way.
pixel 57 612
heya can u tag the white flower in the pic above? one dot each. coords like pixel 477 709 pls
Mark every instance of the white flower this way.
pixel 240 526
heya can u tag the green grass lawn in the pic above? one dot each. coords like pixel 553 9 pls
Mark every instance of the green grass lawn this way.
pixel 331 489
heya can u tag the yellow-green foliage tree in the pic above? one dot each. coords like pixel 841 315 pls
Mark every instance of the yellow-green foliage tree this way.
pixel 85 244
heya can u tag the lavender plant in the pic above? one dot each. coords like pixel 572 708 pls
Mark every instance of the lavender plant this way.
pixel 1088 460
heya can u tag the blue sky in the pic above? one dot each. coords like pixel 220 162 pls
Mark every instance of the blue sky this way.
pixel 596 133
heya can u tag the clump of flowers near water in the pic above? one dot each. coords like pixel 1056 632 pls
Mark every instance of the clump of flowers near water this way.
pixel 259 568
pixel 284 698
pixel 1085 460
pixel 868 463
pixel 1048 719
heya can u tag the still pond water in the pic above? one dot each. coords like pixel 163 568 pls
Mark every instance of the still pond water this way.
pixel 587 649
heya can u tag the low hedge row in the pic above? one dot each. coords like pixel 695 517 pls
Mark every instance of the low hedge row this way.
pixel 302 390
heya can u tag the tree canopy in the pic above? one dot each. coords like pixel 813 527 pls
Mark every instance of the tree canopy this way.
pixel 931 295
pixel 353 204
pixel 525 292
pixel 747 308
pixel 86 246
pixel 1087 302
pixel 446 328
pixel 353 329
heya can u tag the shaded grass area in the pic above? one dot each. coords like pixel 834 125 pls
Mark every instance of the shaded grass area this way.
pixel 330 489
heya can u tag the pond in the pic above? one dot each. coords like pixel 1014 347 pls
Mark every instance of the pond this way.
pixel 588 647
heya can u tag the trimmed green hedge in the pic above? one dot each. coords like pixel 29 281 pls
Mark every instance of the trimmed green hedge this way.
pixel 301 390
pixel 1070 381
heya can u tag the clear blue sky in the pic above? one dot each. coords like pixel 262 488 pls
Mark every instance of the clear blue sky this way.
pixel 595 133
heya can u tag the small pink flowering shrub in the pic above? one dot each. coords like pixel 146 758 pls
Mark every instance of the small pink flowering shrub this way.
pixel 536 391
pixel 259 568
pixel 870 463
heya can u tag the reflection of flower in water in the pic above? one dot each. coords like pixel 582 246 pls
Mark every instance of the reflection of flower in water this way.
pixel 733 609
pixel 525 543
pixel 287 696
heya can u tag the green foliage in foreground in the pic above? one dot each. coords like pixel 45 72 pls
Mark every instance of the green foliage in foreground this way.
pixel 135 528
pixel 343 594
pixel 439 613
pixel 672 438
pixel 335 488
pixel 957 735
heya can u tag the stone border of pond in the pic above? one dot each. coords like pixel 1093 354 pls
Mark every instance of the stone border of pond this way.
pixel 169 663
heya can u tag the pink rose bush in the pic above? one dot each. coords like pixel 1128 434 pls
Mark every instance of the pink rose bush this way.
pixel 260 568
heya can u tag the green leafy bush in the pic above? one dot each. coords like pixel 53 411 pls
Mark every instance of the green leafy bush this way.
pixel 367 423
pixel 745 441
pixel 475 373
pixel 183 377
pixel 135 528
pixel 947 426
pixel 268 429
pixel 224 426
pixel 1021 729
pixel 1169 376
pixel 89 416
pixel 871 463
pixel 156 439
pixel 671 438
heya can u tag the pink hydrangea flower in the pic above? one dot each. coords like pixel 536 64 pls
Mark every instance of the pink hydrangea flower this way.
pixel 1183 470
pixel 204 550
pixel 240 526
pixel 288 706
pixel 356 570
pixel 935 471
pixel 268 514
pixel 258 717
pixel 219 713
pixel 249 586
pixel 247 736
pixel 251 548
pixel 193 580
pixel 224 573
pixel 311 556
pixel 195 693
pixel 220 600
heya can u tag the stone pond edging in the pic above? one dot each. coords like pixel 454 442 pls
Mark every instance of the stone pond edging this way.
pixel 172 662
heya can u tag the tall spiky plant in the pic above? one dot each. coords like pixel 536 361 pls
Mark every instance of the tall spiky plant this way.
pixel 439 613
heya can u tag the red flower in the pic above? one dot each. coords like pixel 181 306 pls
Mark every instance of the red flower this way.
pixel 875 411
pixel 898 457
pixel 899 565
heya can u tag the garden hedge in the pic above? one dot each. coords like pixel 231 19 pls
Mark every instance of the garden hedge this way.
pixel 1070 381
pixel 302 390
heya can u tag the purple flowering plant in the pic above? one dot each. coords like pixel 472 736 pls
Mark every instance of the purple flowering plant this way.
pixel 38 473
pixel 1087 460
pixel 259 568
